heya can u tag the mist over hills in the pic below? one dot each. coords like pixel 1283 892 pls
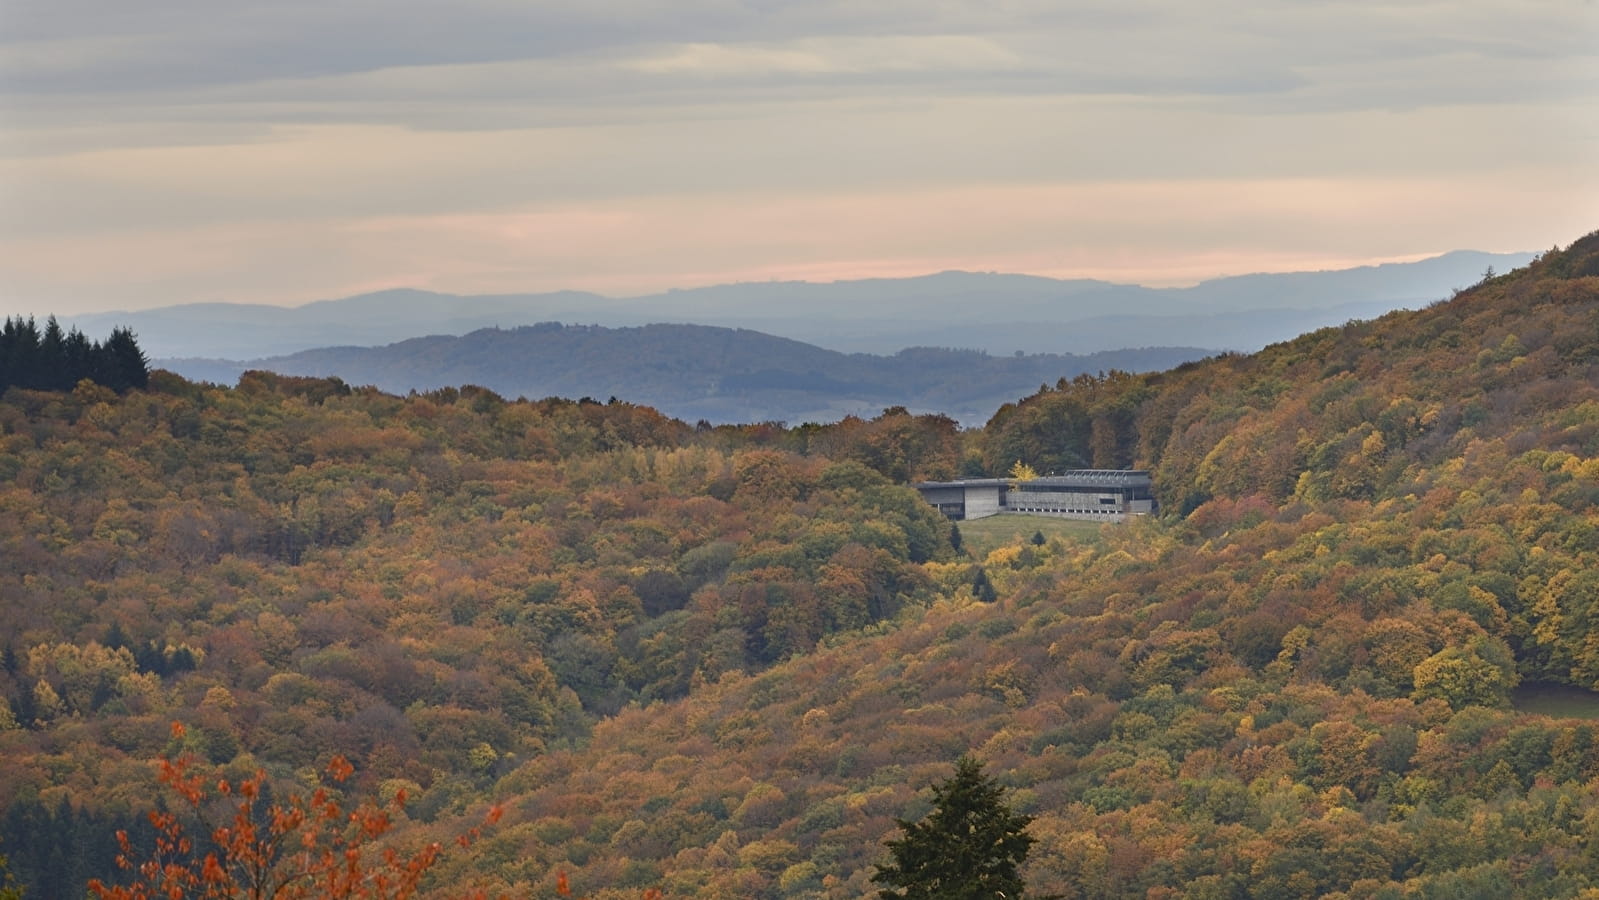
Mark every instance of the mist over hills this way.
pixel 998 313
pixel 697 372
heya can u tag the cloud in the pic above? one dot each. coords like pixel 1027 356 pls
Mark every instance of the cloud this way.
pixel 946 54
pixel 168 48
pixel 179 123
pixel 99 74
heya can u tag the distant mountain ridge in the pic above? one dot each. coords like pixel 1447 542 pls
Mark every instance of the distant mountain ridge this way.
pixel 998 313
pixel 697 372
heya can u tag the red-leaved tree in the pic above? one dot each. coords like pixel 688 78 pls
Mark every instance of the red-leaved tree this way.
pixel 307 847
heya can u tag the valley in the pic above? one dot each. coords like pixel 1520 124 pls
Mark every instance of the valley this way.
pixel 721 660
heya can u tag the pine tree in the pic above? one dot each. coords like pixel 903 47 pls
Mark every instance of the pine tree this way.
pixel 52 358
pixel 56 360
pixel 122 364
pixel 78 353
pixel 116 638
pixel 19 353
pixel 955 540
pixel 968 848
pixel 982 588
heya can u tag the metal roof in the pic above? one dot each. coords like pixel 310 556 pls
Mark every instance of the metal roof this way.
pixel 1070 478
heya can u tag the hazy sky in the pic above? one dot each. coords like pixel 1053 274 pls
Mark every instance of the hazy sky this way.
pixel 281 151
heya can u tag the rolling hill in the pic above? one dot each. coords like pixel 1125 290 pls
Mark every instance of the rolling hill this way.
pixel 697 372
pixel 1299 684
pixel 720 662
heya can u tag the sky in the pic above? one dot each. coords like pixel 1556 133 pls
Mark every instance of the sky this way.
pixel 180 151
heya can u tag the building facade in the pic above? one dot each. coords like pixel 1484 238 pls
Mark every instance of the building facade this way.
pixel 1103 495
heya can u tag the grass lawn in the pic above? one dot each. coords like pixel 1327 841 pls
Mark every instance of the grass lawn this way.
pixel 1559 700
pixel 980 536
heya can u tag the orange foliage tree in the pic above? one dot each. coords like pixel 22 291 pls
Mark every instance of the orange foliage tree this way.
pixel 310 846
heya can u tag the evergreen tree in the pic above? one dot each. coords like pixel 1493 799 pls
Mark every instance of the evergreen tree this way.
pixel 122 363
pixel 24 710
pixel 968 848
pixel 116 638
pixel 982 588
pixel 955 540
pixel 182 660
pixel 53 374
pixel 19 353
pixel 78 355
pixel 148 657
pixel 1038 538
pixel 56 360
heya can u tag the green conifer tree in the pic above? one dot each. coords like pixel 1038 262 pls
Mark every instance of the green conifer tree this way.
pixel 122 363
pixel 968 848
pixel 982 588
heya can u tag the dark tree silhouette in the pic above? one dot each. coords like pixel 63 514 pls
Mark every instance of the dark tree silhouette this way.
pixel 53 374
pixel 968 848
pixel 982 588
pixel 56 360
pixel 123 363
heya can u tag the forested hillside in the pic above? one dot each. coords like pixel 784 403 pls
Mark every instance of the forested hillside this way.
pixel 1297 685
pixel 720 662
pixel 437 587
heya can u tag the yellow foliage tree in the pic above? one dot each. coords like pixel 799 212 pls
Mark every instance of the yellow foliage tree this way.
pixel 1022 472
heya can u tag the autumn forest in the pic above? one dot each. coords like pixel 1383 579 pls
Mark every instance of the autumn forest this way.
pixel 721 662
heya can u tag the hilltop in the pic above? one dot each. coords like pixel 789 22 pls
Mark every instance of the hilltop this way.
pixel 721 661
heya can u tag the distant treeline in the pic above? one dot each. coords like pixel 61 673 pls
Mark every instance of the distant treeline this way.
pixel 56 360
